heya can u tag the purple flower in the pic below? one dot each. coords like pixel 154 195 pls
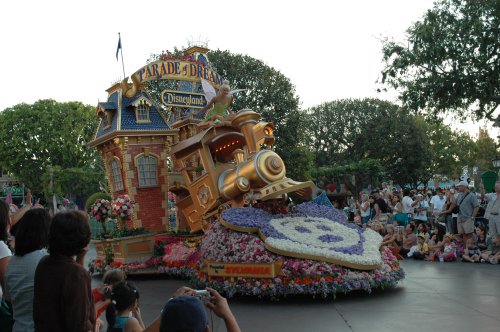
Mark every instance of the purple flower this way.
pixel 327 238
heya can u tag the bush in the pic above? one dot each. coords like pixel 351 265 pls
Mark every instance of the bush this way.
pixel 91 200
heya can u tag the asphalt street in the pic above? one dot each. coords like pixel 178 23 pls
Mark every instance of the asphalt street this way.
pixel 433 297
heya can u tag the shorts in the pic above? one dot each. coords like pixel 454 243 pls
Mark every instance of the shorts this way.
pixel 466 226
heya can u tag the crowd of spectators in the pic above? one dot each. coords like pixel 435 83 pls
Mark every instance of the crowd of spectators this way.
pixel 44 286
pixel 441 224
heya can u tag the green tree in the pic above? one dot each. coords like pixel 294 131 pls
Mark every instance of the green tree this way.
pixel 345 131
pixel 485 151
pixel 48 134
pixel 449 63
pixel 449 150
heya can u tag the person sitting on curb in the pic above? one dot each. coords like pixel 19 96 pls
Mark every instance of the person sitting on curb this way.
pixel 185 312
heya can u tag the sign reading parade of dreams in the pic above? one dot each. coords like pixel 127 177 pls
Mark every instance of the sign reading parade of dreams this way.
pixel 176 70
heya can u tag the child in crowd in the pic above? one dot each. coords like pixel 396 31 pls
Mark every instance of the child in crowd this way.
pixel 357 218
pixel 422 249
pixel 123 313
pixel 493 254
pixel 435 242
pixel 448 251
pixel 102 295
pixel 471 253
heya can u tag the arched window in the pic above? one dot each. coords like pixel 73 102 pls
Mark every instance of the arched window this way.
pixel 147 171
pixel 116 174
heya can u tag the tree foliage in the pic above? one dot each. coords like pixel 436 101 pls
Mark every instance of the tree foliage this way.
pixel 48 134
pixel 345 131
pixel 449 150
pixel 450 63
pixel 273 96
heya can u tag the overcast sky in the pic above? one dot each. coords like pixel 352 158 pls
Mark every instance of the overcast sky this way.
pixel 65 50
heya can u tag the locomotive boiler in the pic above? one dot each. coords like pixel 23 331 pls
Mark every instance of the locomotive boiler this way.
pixel 231 163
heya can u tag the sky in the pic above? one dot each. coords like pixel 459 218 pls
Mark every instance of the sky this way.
pixel 65 50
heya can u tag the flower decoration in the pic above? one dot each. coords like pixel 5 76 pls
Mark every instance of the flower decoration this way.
pixel 101 210
pixel 123 207
pixel 312 231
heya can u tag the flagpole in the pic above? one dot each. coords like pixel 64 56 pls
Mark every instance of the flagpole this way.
pixel 121 46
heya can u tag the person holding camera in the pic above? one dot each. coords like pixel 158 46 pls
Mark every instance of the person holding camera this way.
pixel 185 311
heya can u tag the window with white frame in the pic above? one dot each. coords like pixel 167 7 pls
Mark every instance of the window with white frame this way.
pixel 147 169
pixel 117 175
pixel 142 112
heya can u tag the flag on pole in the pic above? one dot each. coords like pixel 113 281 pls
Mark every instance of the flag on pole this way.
pixel 118 48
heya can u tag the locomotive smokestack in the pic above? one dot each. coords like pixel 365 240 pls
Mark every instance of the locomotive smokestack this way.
pixel 245 120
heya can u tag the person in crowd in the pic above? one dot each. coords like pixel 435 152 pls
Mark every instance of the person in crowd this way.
pixel 185 312
pixel 398 216
pixel 447 212
pixel 422 230
pixel 480 238
pixel 472 253
pixel 437 204
pixel 454 214
pixel 448 249
pixel 408 204
pixel 468 206
pixel 102 295
pixel 123 313
pixel 63 298
pixel 5 252
pixel 436 241
pixel 422 249
pixel 380 207
pixel 364 208
pixel 492 255
pixel 408 239
pixel 492 213
pixel 32 237
pixel 420 209
pixel 390 236
pixel 373 209
pixel 357 218
pixel 390 240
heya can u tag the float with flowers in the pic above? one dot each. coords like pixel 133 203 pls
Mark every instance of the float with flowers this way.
pixel 231 188
pixel 311 250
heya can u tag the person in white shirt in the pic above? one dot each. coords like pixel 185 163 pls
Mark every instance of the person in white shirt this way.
pixel 421 209
pixel 437 205
pixel 492 213
pixel 408 203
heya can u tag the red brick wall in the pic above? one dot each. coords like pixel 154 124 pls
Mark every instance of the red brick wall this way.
pixel 149 200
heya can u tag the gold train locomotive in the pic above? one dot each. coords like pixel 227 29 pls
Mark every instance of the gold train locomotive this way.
pixel 225 164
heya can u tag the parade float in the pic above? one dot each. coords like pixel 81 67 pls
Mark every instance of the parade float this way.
pixel 214 195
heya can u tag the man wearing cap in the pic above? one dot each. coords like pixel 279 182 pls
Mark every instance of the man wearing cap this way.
pixel 492 213
pixel 185 312
pixel 468 206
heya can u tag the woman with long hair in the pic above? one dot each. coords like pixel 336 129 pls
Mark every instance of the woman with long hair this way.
pixel 32 238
